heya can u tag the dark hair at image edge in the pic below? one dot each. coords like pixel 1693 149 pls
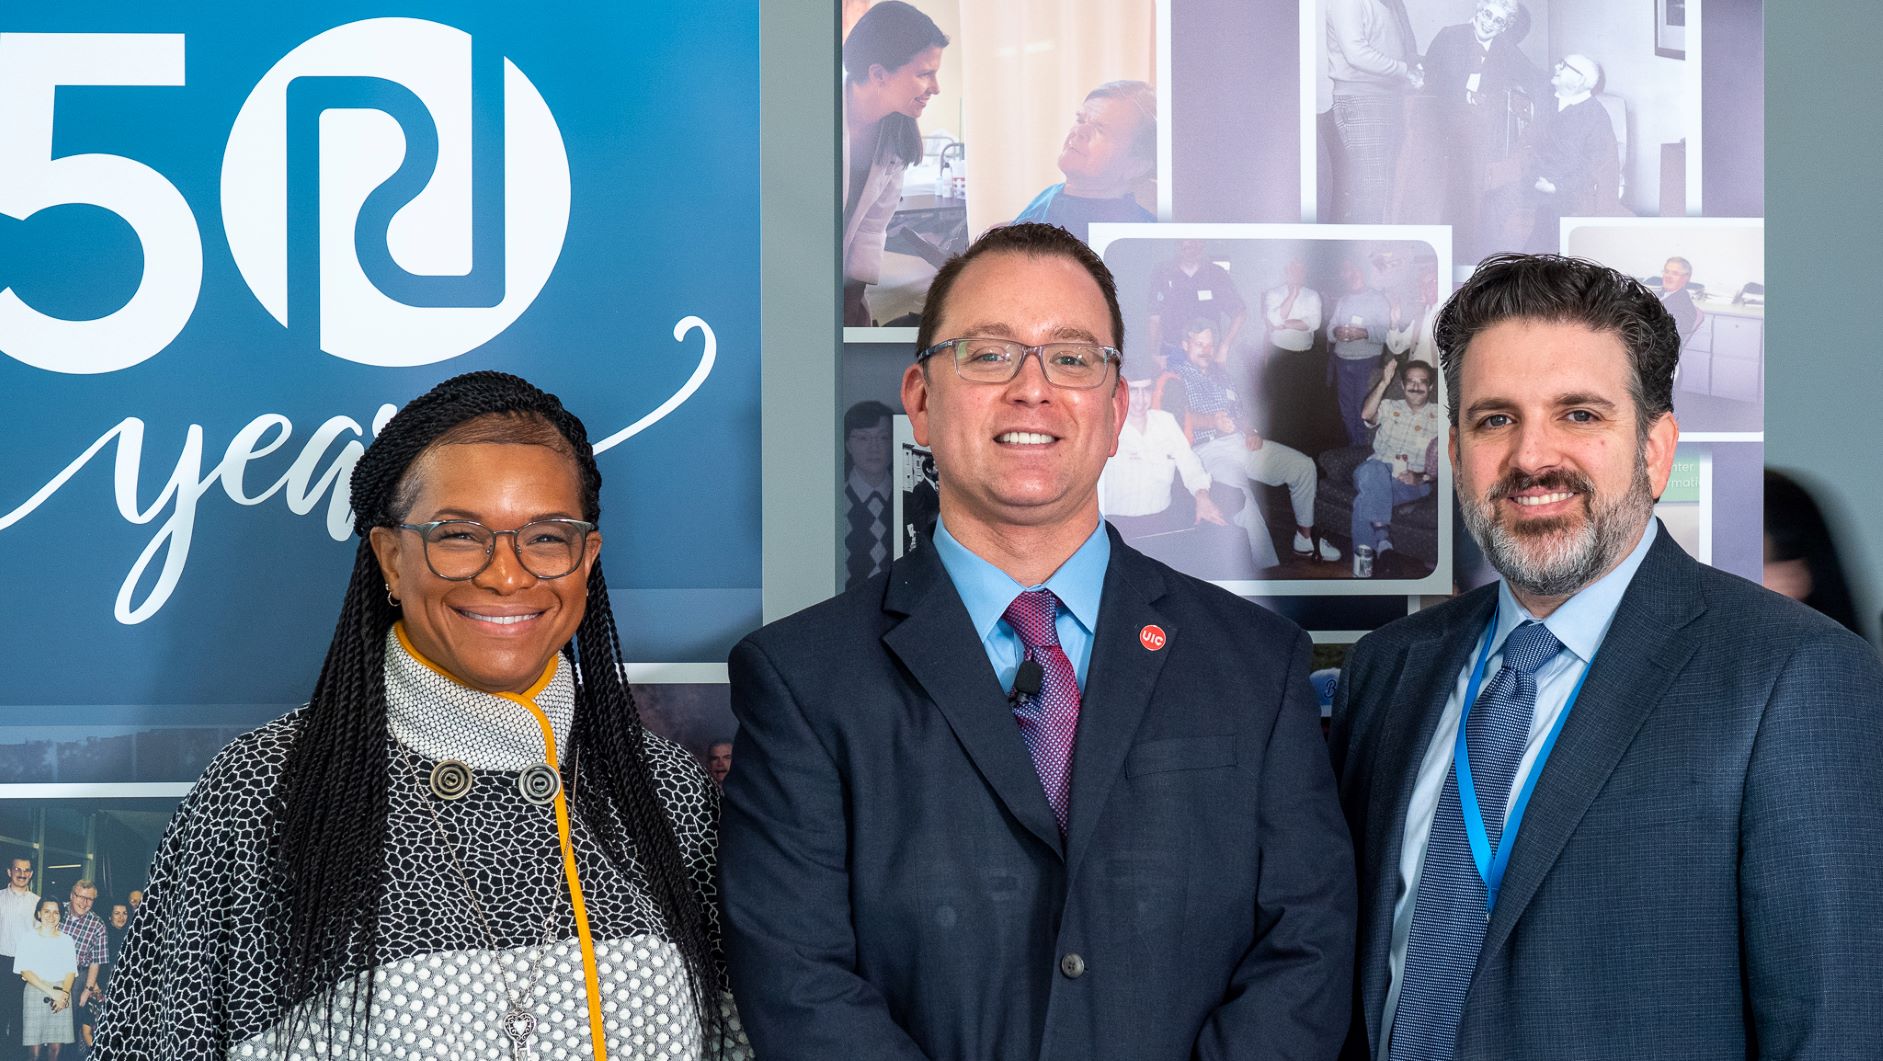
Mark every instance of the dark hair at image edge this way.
pixel 1031 238
pixel 328 859
pixel 890 35
pixel 1555 289
pixel 1795 529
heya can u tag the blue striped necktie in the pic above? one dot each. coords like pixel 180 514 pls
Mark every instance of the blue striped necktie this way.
pixel 1448 916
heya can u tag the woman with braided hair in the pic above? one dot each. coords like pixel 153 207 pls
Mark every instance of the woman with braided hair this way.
pixel 464 845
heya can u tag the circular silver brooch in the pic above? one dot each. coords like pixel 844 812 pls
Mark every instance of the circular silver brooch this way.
pixel 450 779
pixel 539 784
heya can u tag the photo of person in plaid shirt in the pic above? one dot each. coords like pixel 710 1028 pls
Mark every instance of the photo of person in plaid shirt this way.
pixel 88 934
pixel 1404 463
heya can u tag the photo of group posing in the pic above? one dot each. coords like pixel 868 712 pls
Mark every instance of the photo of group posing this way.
pixel 1286 421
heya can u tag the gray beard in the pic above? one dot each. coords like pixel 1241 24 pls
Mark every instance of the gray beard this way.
pixel 1555 561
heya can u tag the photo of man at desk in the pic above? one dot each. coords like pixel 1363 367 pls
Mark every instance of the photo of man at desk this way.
pixel 1710 275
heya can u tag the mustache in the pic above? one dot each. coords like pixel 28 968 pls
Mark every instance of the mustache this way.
pixel 1555 480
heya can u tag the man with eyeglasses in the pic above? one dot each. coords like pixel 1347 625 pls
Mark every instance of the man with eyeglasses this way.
pixel 1475 72
pixel 88 934
pixel 1574 162
pixel 1031 794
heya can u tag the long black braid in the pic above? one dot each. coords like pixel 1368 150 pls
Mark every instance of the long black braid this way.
pixel 329 858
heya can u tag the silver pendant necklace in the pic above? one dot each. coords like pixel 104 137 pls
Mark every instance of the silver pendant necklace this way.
pixel 519 1023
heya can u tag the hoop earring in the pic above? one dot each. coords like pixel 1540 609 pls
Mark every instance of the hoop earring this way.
pixel 390 599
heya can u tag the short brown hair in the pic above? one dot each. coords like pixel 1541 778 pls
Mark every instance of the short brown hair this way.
pixel 1036 240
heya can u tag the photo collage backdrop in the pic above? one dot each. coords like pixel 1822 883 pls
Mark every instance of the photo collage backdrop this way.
pixel 1322 176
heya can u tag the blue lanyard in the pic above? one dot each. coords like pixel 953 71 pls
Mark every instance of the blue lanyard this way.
pixel 1491 866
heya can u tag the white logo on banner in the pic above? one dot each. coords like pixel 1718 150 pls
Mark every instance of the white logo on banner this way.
pixel 429 236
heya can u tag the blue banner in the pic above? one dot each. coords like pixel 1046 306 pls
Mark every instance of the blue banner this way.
pixel 233 239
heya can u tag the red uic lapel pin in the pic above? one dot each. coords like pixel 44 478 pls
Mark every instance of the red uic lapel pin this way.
pixel 1152 638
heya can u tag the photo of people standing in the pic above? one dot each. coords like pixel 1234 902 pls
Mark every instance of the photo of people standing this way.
pixel 1498 118
pixel 73 867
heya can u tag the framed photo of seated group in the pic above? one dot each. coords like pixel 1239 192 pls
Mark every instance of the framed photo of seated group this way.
pixel 1296 363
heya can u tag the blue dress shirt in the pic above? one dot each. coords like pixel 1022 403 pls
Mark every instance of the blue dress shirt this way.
pixel 987 591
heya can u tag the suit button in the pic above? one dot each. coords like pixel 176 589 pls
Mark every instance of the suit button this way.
pixel 1073 966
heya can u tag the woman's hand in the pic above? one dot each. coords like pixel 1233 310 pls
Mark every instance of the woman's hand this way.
pixel 61 998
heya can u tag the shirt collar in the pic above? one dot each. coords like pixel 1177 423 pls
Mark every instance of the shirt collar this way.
pixel 863 488
pixel 986 590
pixel 439 717
pixel 1565 102
pixel 1582 620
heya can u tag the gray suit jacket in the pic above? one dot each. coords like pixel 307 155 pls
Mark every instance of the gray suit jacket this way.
pixel 895 886
pixel 1700 874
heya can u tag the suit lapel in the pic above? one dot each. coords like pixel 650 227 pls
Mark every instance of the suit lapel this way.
pixel 1415 703
pixel 937 642
pixel 1118 687
pixel 1645 648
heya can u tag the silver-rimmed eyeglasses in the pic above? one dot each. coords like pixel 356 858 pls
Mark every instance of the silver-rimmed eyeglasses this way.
pixel 998 360
pixel 458 550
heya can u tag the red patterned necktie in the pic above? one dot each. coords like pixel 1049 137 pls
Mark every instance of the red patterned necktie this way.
pixel 1049 719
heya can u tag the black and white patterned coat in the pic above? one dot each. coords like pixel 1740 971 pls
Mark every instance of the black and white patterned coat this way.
pixel 200 973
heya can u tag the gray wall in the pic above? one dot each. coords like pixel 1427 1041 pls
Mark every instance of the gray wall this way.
pixel 1824 229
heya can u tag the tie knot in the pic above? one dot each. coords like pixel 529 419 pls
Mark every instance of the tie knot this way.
pixel 1031 615
pixel 1530 646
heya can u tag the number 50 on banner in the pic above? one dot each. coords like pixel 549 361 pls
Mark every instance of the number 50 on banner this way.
pixel 451 236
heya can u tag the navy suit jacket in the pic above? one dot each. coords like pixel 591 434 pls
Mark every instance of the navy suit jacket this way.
pixel 894 883
pixel 1700 873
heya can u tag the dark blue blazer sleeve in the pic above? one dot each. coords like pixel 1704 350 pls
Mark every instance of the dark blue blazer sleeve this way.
pixel 1292 994
pixel 784 886
pixel 1811 868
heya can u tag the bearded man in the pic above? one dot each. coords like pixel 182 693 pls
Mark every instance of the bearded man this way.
pixel 1617 804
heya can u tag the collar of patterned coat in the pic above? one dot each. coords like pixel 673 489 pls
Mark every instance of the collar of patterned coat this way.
pixel 439 717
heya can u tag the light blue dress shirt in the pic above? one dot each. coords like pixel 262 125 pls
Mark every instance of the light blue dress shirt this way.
pixel 987 591
pixel 1580 623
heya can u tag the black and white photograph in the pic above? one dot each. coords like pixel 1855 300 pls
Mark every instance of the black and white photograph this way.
pixel 1286 425
pixel 918 489
pixel 1063 104
pixel 1710 274
pixel 1500 117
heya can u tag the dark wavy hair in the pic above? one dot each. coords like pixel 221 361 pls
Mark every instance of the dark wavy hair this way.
pixel 329 854
pixel 1556 289
pixel 891 34
pixel 1795 529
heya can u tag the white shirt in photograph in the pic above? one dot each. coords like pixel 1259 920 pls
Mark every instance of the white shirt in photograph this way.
pixel 1306 309
pixel 52 958
pixel 16 918
pixel 1136 482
